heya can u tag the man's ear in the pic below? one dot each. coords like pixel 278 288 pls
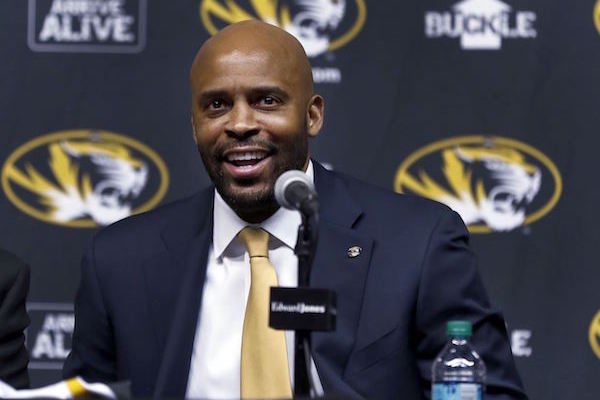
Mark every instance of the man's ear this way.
pixel 193 128
pixel 316 110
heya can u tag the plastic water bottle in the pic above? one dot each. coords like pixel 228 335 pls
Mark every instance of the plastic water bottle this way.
pixel 458 373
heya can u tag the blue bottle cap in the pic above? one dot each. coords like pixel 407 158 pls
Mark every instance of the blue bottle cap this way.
pixel 459 328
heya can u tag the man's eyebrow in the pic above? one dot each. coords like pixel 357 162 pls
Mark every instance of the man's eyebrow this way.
pixel 276 90
pixel 211 94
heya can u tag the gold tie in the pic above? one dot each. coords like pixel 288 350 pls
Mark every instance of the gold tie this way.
pixel 265 372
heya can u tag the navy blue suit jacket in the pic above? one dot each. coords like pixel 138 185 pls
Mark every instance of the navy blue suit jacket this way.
pixel 14 286
pixel 142 279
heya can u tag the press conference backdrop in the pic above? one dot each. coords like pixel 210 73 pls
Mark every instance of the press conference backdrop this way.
pixel 488 106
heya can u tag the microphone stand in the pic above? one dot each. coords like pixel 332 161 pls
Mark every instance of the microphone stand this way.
pixel 305 247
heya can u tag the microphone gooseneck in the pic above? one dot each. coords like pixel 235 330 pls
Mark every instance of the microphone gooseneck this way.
pixel 294 190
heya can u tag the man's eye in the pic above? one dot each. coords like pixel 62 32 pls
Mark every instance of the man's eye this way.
pixel 216 104
pixel 268 100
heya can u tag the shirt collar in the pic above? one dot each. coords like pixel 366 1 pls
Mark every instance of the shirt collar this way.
pixel 283 224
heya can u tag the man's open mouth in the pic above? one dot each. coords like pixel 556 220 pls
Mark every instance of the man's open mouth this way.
pixel 246 163
pixel 246 158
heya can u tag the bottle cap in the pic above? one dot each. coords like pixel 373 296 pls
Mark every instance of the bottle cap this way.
pixel 459 328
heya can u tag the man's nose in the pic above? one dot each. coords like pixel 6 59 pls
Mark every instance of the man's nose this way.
pixel 242 121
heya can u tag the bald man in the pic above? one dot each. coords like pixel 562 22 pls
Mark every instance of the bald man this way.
pixel 253 98
pixel 164 295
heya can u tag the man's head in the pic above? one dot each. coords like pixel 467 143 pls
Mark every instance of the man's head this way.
pixel 253 110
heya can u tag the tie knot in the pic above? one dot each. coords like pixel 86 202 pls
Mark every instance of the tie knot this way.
pixel 256 241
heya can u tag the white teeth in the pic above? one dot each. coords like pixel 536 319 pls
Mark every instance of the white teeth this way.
pixel 247 156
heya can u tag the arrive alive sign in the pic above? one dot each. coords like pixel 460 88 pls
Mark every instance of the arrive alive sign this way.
pixel 87 26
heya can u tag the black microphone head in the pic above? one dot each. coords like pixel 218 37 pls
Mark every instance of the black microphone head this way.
pixel 283 183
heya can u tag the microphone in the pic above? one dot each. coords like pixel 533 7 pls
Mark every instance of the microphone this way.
pixel 303 309
pixel 294 190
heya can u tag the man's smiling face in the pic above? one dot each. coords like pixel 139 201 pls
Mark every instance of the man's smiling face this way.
pixel 252 111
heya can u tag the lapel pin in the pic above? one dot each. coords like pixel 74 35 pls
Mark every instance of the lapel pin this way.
pixel 354 251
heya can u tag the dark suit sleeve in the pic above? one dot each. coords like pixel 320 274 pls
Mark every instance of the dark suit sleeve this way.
pixel 92 355
pixel 451 288
pixel 14 286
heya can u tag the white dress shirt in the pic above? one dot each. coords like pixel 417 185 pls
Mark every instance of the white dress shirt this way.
pixel 215 365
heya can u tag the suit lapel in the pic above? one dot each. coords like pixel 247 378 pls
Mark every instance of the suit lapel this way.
pixel 174 283
pixel 334 269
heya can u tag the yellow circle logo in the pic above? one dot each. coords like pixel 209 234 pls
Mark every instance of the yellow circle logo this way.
pixel 84 178
pixel 594 334
pixel 320 26
pixel 494 183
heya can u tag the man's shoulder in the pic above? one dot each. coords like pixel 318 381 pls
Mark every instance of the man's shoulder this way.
pixel 377 200
pixel 11 266
pixel 182 212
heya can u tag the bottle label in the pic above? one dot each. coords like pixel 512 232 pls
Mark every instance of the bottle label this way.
pixel 457 391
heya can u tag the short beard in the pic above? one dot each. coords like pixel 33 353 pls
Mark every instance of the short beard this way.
pixel 252 207
pixel 256 206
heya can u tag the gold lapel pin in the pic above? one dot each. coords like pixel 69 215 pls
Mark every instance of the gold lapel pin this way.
pixel 354 251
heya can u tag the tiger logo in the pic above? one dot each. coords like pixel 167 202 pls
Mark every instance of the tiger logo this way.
pixel 491 183
pixel 315 23
pixel 312 25
pixel 594 334
pixel 89 178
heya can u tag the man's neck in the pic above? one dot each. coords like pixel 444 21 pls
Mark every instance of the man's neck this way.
pixel 259 215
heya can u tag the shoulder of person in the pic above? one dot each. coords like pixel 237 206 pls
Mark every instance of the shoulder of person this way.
pixel 10 267
pixel 379 200
pixel 180 212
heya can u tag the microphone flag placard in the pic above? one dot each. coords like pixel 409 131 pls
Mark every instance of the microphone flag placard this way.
pixel 302 309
